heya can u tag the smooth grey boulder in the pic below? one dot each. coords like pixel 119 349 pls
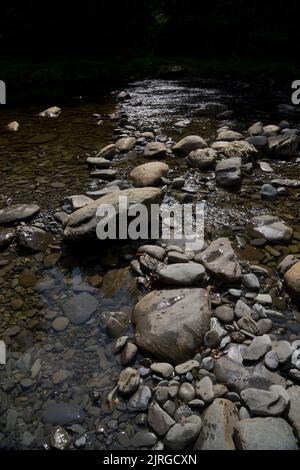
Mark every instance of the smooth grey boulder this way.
pixel 264 402
pixel 188 144
pixel 183 434
pixel 18 212
pixel 181 274
pixel 161 317
pixel 264 434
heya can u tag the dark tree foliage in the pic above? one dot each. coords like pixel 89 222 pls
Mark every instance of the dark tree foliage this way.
pixel 197 28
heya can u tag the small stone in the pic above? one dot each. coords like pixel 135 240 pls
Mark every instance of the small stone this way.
pixel 186 392
pixel 183 434
pixel 60 439
pixel 204 390
pixel 162 368
pixel 182 369
pixel 159 420
pixel 271 360
pixel 128 354
pixel 60 324
pixel 258 348
pixel 224 313
pixel 128 382
pixel 140 399
pixel 283 350
pixel 143 439
pixel 212 339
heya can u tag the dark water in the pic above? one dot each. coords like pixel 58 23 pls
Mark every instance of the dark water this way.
pixel 45 162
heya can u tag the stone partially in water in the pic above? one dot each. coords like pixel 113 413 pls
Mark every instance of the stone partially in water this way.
pixel 52 112
pixel 125 144
pixel 98 162
pixel 283 146
pixel 204 159
pixel 270 228
pixel 149 174
pixel 63 413
pixel 292 280
pixel 7 235
pixel 228 172
pixel 155 150
pixel 33 238
pixel 18 212
pixel 220 260
pixel 161 317
pixel 83 223
pixel 79 308
pixel 128 382
pixel 188 144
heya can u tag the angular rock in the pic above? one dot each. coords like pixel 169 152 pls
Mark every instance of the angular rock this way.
pixel 228 173
pixel 159 420
pixel 220 261
pixel 283 146
pixel 155 150
pixel 79 308
pixel 263 402
pixel 219 421
pixel 203 159
pixel 161 316
pixel 258 348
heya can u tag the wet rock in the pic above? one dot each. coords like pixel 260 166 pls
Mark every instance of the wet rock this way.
pixel 186 392
pixel 211 109
pixel 159 420
pixel 220 261
pixel 155 150
pixel 229 136
pixel 256 129
pixel 98 162
pixel 108 152
pixel 143 439
pixel 79 308
pixel 128 354
pixel 161 316
pixel 294 409
pixel 292 280
pixel 63 413
pixel 13 126
pixel 283 146
pixel 205 390
pixel 263 402
pixel 268 192
pixel 104 174
pixel 264 166
pixel 33 238
pixel 270 228
pixel 224 313
pixel 286 183
pixel 162 368
pixel 52 112
pixel 149 174
pixel 185 146
pixel 60 324
pixel 18 212
pixel 140 399
pixel 7 236
pixel 219 421
pixel 203 159
pixel 183 434
pixel 228 173
pixel 258 348
pixel 181 274
pixel 264 434
pixel 60 376
pixel 84 222
pixel 60 439
pixel 128 382
pixel 126 144
pixel 251 282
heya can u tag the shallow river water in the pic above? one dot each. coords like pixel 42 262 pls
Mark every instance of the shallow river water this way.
pixel 44 163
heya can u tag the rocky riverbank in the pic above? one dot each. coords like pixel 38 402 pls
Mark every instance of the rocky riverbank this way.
pixel 182 349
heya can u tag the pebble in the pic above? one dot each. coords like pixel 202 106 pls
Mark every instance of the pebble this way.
pixel 224 313
pixel 182 369
pixel 164 369
pixel 60 324
pixel 186 392
pixel 204 390
pixel 140 399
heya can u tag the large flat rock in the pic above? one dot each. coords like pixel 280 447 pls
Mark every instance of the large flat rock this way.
pixel 170 324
